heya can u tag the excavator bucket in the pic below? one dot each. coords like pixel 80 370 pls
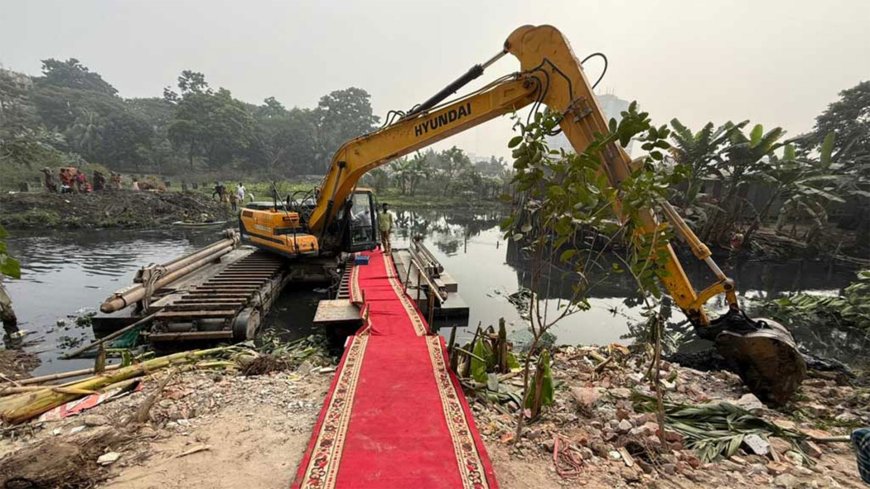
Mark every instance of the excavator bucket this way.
pixel 767 360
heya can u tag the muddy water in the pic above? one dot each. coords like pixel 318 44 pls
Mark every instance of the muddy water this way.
pixel 489 269
pixel 64 272
pixel 67 273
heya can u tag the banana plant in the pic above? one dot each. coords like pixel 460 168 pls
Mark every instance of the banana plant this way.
pixel 540 391
pixel 806 184
pixel 699 152
pixel 809 194
pixel 744 159
pixel 491 353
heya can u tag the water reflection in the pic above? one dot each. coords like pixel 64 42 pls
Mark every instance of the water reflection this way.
pixel 65 271
pixel 488 269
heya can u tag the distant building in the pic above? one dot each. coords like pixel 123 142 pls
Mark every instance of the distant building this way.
pixel 612 106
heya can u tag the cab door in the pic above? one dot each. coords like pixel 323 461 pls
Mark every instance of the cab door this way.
pixel 363 222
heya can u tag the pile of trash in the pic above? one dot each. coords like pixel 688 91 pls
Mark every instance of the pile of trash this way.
pixel 603 427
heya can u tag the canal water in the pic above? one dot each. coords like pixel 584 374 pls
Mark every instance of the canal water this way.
pixel 67 273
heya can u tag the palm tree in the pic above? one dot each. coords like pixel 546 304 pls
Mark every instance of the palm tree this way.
pixel 85 131
pixel 401 169
pixel 417 171
pixel 379 177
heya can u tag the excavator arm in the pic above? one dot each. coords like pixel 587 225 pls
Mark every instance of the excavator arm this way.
pixel 551 74
pixel 359 156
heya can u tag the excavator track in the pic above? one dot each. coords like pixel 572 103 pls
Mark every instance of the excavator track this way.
pixel 227 306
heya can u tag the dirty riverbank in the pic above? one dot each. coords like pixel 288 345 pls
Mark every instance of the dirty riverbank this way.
pixel 108 209
pixel 78 269
pixel 213 429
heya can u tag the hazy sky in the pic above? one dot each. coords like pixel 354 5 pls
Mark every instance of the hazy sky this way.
pixel 774 62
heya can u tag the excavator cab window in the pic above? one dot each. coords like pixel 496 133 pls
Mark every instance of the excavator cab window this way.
pixel 363 222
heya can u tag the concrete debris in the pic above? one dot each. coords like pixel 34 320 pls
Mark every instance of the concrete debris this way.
pixel 750 403
pixel 756 444
pixel 92 420
pixel 586 397
pixel 594 414
pixel 108 458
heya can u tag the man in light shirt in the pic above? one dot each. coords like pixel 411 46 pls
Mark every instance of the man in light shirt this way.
pixel 385 226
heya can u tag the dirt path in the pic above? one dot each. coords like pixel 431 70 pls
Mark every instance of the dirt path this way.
pixel 252 434
pixel 244 450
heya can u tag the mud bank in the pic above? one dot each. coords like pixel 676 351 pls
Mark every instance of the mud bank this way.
pixel 110 209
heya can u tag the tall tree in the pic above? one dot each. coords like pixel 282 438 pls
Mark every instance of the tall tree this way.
pixel 207 124
pixel 284 141
pixel 849 119
pixel 451 164
pixel 72 74
pixel 343 115
pixel 23 139
pixel 84 134
pixel 126 142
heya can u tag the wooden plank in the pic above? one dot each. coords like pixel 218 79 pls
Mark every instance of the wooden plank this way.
pixel 336 311
pixel 217 295
pixel 247 274
pixel 215 288
pixel 224 280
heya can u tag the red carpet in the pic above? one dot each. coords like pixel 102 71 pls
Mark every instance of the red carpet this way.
pixel 395 415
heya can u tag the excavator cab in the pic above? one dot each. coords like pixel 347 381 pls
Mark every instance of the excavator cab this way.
pixel 362 221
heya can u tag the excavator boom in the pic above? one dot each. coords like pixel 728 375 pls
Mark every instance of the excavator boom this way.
pixel 359 156
pixel 764 352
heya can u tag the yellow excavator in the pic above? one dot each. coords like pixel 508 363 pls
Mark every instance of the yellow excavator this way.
pixel 340 217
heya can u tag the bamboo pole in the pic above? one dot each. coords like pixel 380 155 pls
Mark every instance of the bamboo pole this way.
pixel 22 407
pixel 62 375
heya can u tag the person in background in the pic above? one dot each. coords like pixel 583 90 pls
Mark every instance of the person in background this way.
pixel 219 190
pixel 135 185
pixel 99 181
pixel 81 182
pixel 234 202
pixel 116 181
pixel 66 181
pixel 240 193
pixel 48 179
pixel 385 226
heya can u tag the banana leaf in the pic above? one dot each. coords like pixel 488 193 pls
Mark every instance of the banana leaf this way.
pixel 716 430
pixel 540 392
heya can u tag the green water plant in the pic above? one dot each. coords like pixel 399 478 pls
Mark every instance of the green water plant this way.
pixel 850 308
